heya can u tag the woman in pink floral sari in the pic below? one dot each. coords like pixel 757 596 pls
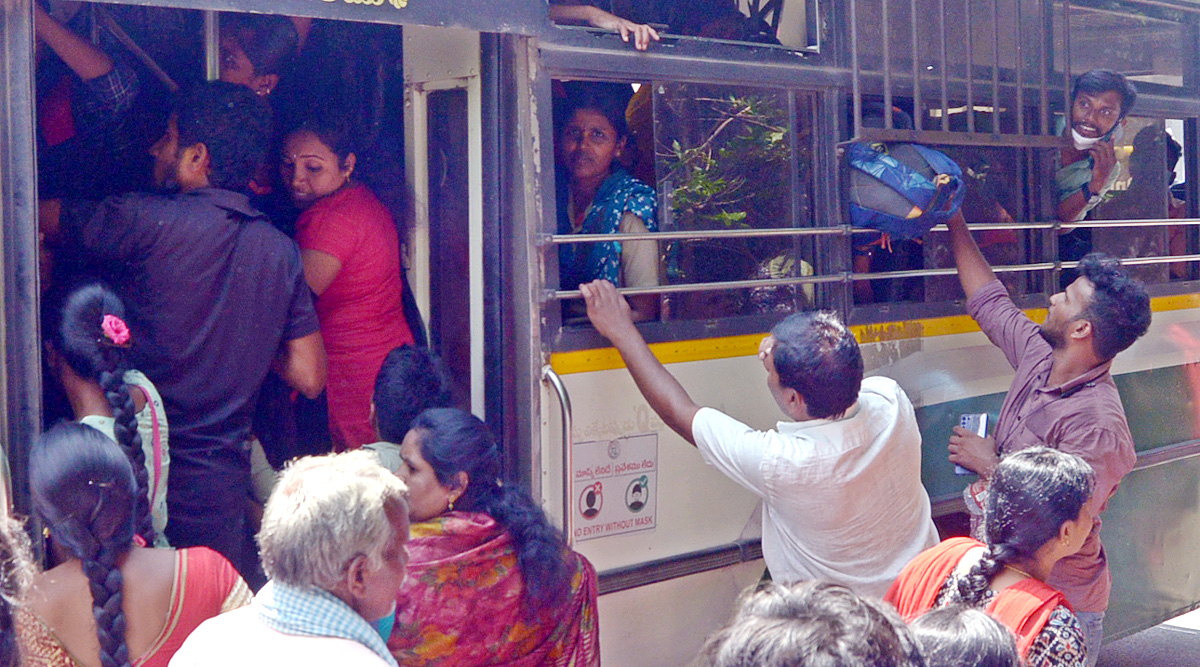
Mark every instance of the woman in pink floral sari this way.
pixel 490 582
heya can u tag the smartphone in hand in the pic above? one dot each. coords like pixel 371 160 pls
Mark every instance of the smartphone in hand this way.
pixel 975 422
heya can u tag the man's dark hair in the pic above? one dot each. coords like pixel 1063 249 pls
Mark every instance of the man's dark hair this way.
pixel 233 123
pixel 411 380
pixel 958 635
pixel 811 623
pixel 816 355
pixel 1100 81
pixel 269 41
pixel 1119 309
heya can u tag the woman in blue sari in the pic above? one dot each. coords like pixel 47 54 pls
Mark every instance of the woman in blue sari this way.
pixel 600 197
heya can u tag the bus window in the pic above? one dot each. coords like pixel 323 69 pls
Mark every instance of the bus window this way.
pixel 1128 42
pixel 713 158
pixel 729 158
pixel 1142 192
pixel 996 179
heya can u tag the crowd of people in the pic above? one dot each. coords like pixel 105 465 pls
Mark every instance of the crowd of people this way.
pixel 407 544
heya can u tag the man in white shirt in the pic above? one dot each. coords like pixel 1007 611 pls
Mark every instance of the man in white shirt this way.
pixel 840 481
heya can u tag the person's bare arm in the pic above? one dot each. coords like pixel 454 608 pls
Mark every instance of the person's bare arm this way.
pixel 973 270
pixel 611 315
pixel 639 266
pixel 87 61
pixel 302 364
pixel 598 18
pixel 320 268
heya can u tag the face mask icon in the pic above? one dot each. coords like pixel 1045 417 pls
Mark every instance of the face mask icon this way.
pixel 591 500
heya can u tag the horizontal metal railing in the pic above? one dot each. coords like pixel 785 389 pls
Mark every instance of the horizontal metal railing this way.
pixel 849 276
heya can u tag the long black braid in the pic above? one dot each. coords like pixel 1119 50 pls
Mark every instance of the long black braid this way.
pixel 74 329
pixel 1032 494
pixel 125 428
pixel 456 441
pixel 84 491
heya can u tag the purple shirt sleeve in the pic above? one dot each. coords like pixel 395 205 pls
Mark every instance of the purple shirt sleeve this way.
pixel 1006 325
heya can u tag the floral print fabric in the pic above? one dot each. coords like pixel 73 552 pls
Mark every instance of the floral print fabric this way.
pixel 461 603
pixel 584 262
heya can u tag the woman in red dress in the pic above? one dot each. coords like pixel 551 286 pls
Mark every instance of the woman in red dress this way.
pixel 351 252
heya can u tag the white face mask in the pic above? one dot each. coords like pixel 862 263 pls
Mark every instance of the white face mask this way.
pixel 1083 143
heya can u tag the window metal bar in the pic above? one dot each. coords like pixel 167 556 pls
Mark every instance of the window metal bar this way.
pixel 887 66
pixel 563 239
pixel 1067 61
pixel 1020 66
pixel 918 109
pixel 970 68
pixel 945 59
pixel 856 67
pixel 1047 15
pixel 996 67
pixel 844 230
pixel 846 276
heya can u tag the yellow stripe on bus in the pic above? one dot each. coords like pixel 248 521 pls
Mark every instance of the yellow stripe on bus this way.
pixel 603 359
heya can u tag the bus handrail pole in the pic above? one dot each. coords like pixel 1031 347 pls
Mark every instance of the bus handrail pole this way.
pixel 568 455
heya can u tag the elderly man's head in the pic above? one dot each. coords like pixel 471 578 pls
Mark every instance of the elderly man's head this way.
pixel 340 523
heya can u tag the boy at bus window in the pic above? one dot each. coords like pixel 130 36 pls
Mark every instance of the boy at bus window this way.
pixel 840 480
pixel 1063 397
pixel 219 294
pixel 1100 101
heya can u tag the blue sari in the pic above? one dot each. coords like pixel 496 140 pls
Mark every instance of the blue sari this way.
pixel 619 193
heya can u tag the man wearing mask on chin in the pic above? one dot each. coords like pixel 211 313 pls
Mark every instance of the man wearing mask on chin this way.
pixel 1100 101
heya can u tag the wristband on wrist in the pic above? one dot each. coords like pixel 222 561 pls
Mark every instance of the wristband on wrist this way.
pixel 1087 191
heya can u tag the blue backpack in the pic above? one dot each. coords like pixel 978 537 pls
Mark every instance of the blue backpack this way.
pixel 902 189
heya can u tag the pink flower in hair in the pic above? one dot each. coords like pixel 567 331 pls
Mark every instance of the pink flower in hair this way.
pixel 115 330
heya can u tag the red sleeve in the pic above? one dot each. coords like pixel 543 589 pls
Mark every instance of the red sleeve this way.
pixel 328 229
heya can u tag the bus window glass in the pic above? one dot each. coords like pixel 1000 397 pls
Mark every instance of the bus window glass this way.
pixel 729 158
pixel 1141 192
pixel 1146 48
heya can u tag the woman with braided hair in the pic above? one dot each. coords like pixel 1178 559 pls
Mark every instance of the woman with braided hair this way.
pixel 110 603
pixel 1035 515
pixel 87 349
pixel 490 582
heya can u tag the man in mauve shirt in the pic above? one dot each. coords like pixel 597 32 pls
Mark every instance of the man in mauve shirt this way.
pixel 1062 396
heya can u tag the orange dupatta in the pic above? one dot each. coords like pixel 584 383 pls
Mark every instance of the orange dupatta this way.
pixel 1024 607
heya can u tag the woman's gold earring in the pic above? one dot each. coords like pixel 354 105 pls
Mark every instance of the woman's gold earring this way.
pixel 450 508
